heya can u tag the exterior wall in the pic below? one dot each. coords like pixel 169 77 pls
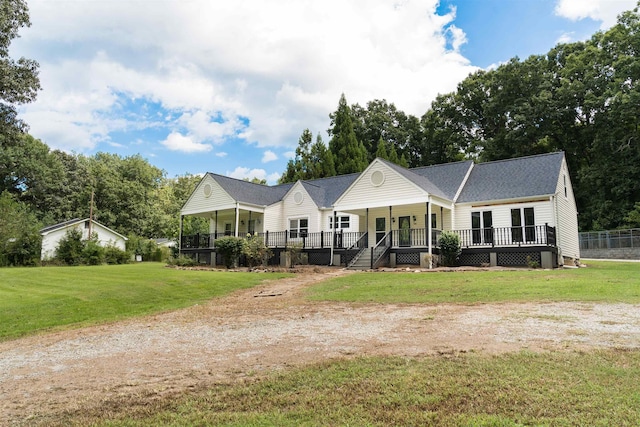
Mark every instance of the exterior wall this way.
pixel 567 216
pixel 199 202
pixel 293 207
pixel 394 190
pixel 273 218
pixel 354 221
pixel 501 213
pixel 105 237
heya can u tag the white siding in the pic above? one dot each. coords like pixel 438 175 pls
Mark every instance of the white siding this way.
pixel 305 209
pixel 394 190
pixel 354 221
pixel 567 215
pixel 200 203
pixel 273 218
pixel 501 213
pixel 106 237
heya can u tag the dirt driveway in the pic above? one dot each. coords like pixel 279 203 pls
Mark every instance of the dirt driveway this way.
pixel 273 327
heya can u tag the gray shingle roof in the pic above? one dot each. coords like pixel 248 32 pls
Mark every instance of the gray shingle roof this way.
pixel 513 178
pixel 325 191
pixel 447 177
pixel 249 192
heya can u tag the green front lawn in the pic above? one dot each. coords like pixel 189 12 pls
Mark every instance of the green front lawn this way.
pixel 522 389
pixel 45 298
pixel 602 281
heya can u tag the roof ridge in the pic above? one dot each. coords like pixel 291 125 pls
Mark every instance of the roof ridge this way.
pixel 440 164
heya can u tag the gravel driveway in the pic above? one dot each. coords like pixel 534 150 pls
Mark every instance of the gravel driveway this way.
pixel 274 327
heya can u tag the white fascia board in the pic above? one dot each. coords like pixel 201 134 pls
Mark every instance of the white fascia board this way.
pixel 538 198
pixel 209 209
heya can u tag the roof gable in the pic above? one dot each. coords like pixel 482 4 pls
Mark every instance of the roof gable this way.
pixel 522 177
pixel 73 222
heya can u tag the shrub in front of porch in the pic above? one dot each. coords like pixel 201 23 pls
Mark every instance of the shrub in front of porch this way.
pixel 256 251
pixel 231 248
pixel 450 248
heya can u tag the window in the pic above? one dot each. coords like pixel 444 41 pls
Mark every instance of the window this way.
pixel 482 227
pixel 434 221
pixel 227 229
pixel 520 217
pixel 564 177
pixel 343 222
pixel 298 227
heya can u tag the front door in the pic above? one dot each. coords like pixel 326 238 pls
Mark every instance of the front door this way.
pixel 381 229
pixel 405 231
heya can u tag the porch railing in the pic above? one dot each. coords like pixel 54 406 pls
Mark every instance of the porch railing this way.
pixel 415 237
pixel 508 236
pixel 380 250
pixel 282 239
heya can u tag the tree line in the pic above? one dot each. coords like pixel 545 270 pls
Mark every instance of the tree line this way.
pixel 582 98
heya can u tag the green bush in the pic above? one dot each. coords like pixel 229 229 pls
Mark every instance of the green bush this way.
pixel 70 247
pixel 114 255
pixel 92 253
pixel 256 251
pixel 20 240
pixel 181 261
pixel 450 248
pixel 231 248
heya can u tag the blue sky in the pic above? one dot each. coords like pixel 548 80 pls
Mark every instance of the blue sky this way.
pixel 228 87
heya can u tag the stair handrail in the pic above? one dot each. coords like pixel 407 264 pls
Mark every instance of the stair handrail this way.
pixel 360 243
pixel 380 250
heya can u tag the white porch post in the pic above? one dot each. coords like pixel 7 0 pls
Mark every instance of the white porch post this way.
pixel 180 236
pixel 237 217
pixel 333 234
pixel 429 239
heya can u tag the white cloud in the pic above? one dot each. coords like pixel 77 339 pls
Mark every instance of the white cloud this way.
pixel 178 142
pixel 221 154
pixel 273 178
pixel 242 173
pixel 565 38
pixel 269 156
pixel 261 70
pixel 598 10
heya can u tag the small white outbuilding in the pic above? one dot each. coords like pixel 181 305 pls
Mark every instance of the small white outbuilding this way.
pixel 52 235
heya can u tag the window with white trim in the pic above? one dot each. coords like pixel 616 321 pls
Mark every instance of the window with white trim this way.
pixel 298 227
pixel 342 221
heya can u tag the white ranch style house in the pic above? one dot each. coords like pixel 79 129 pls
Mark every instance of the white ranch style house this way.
pixel 511 212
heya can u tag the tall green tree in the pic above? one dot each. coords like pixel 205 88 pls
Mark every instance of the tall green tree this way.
pixel 20 83
pixel 312 160
pixel 349 154
pixel 390 154
pixel 20 240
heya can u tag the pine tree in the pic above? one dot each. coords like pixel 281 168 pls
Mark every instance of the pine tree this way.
pixel 349 154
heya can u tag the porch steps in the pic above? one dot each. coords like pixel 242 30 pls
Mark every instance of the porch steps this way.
pixel 362 261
